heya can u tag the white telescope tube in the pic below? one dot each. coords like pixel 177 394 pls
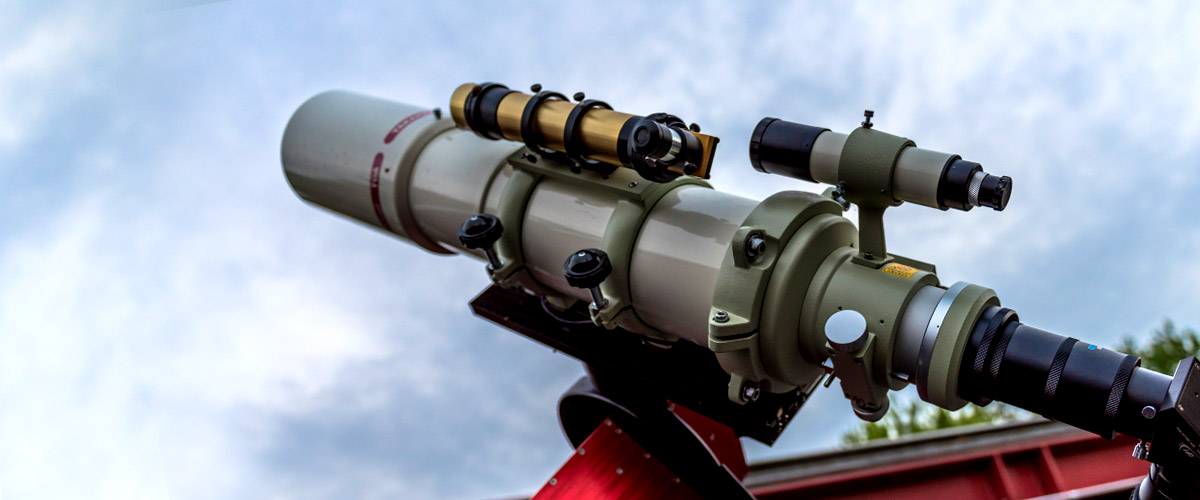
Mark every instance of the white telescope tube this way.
pixel 399 168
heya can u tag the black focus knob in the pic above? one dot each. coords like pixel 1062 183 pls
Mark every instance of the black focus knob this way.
pixel 587 268
pixel 482 231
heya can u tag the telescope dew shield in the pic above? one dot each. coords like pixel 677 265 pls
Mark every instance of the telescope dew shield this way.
pixel 354 154
pixel 589 135
pixel 925 177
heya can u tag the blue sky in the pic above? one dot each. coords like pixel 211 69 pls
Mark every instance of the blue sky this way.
pixel 175 323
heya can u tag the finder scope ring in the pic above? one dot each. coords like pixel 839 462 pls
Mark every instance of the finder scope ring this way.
pixel 571 130
pixel 528 124
pixel 473 111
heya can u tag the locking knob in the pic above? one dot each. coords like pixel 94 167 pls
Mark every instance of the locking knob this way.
pixel 482 231
pixel 846 331
pixel 588 268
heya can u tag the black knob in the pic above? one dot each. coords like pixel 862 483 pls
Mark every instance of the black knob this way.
pixel 480 231
pixel 587 268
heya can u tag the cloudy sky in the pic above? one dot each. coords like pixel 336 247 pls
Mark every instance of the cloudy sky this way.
pixel 175 323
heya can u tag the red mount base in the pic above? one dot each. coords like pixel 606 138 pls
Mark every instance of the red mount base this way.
pixel 612 465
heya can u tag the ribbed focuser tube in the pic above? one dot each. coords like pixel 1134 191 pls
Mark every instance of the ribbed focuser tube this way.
pixel 406 170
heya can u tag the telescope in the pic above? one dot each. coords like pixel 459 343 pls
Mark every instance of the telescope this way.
pixel 604 241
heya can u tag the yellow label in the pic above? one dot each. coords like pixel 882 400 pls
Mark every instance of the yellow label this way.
pixel 900 270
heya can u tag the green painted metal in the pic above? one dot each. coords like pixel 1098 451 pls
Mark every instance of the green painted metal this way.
pixel 865 178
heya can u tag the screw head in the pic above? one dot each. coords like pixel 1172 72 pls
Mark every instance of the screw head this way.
pixel 694 128
pixel 632 184
pixel 756 245
pixel 1148 412
pixel 721 317
pixel 535 88
pixel 750 391
pixel 578 96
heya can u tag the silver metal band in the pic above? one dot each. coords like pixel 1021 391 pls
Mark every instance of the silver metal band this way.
pixel 931 333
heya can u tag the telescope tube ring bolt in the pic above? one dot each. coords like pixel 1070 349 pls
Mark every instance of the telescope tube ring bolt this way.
pixel 587 269
pixel 481 232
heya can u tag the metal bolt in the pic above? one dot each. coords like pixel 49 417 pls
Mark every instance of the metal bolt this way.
pixel 437 113
pixel 535 88
pixel 553 481
pixel 598 300
pixel 578 96
pixel 1149 412
pixel 493 259
pixel 750 391
pixel 694 128
pixel 620 471
pixel 868 114
pixel 869 256
pixel 1140 451
pixel 721 317
pixel 633 184
pixel 755 246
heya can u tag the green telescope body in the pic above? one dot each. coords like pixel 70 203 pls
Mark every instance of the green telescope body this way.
pixel 782 291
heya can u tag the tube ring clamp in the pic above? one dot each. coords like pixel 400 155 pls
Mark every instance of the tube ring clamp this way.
pixel 473 112
pixel 528 125
pixel 572 144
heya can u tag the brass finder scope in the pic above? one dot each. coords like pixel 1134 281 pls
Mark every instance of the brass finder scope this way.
pixel 604 242
pixel 587 135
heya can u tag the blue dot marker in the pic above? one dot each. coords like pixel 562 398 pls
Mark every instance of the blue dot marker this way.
pixel 1092 347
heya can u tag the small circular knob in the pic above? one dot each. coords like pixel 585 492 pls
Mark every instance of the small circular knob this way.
pixel 480 231
pixel 587 268
pixel 846 331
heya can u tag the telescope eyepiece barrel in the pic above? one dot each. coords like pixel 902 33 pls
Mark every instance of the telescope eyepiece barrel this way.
pixel 1096 389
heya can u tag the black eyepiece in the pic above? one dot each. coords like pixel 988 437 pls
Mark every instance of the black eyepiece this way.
pixel 965 185
pixel 994 192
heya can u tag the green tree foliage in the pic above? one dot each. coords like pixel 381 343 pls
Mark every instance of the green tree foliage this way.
pixel 915 416
pixel 1166 347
